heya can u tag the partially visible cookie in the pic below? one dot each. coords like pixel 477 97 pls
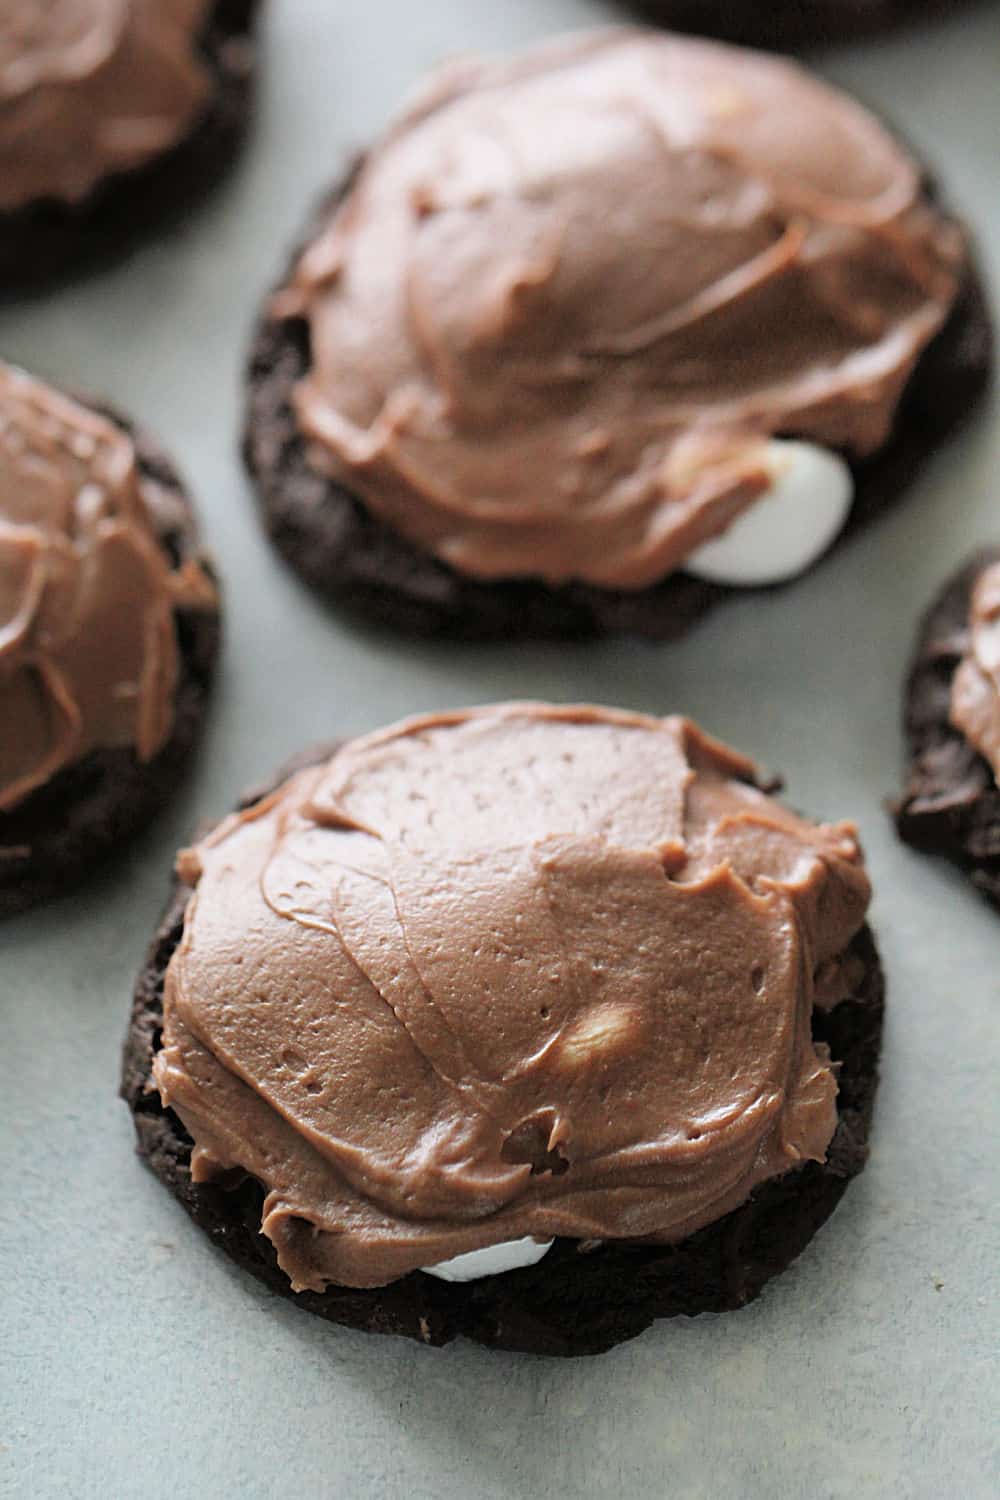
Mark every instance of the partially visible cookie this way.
pixel 583 1295
pixel 788 23
pixel 110 619
pixel 568 432
pixel 951 803
pixel 114 120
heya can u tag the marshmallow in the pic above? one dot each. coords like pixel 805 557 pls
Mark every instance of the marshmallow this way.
pixel 789 527
pixel 508 1256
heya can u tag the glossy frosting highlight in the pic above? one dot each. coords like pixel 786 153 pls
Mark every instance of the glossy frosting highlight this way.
pixel 93 87
pixel 519 971
pixel 569 298
pixel 88 647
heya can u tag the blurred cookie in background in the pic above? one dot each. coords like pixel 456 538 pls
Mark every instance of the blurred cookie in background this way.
pixel 951 804
pixel 115 115
pixel 789 23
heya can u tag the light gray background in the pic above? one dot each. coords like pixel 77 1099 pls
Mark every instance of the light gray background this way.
pixel 135 1361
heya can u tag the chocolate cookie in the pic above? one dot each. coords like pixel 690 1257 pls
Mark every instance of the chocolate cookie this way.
pixel 788 23
pixel 348 548
pixel 88 810
pixel 344 551
pixel 951 804
pixel 50 237
pixel 582 1297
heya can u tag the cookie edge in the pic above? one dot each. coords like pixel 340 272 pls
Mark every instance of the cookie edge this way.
pixel 932 815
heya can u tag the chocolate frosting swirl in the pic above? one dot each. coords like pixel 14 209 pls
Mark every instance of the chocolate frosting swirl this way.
pixel 569 297
pixel 88 648
pixel 516 971
pixel 92 87
pixel 975 687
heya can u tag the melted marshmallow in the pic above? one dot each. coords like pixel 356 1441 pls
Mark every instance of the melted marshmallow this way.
pixel 790 527
pixel 511 1255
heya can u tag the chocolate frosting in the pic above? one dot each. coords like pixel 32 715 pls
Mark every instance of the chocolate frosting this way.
pixel 518 971
pixel 88 649
pixel 569 297
pixel 92 87
pixel 975 687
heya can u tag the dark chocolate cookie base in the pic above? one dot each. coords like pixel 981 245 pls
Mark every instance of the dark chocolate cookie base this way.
pixel 951 804
pixel 782 24
pixel 574 1301
pixel 93 808
pixel 359 562
pixel 51 239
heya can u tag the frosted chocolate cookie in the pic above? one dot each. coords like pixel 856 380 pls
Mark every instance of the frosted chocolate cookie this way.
pixel 551 363
pixel 951 804
pixel 115 115
pixel 789 23
pixel 108 635
pixel 452 1032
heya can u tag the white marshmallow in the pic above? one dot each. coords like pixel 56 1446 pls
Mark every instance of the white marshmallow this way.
pixel 789 527
pixel 508 1256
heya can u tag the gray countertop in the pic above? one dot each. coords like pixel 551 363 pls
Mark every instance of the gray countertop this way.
pixel 134 1359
